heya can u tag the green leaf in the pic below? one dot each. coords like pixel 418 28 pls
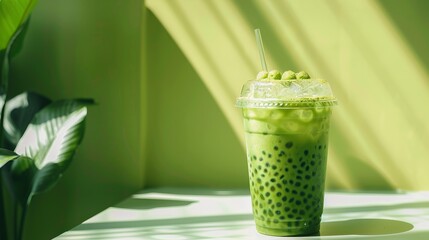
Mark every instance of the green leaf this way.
pixel 13 13
pixel 51 140
pixel 6 156
pixel 19 111
pixel 18 177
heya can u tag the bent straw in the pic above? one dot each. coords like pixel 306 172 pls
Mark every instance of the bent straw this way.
pixel 261 49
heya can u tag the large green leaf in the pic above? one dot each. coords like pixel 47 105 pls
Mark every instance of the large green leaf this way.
pixel 13 13
pixel 51 140
pixel 19 111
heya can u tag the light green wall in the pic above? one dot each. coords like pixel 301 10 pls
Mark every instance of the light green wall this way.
pixel 78 48
pixel 374 54
pixel 189 140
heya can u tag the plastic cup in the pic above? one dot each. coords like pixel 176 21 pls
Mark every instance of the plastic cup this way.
pixel 286 126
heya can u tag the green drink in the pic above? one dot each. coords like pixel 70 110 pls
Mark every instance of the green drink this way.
pixel 286 124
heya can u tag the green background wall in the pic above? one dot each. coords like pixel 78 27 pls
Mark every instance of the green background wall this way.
pixel 87 49
pixel 180 127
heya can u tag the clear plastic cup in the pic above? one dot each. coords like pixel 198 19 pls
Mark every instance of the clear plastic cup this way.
pixel 286 126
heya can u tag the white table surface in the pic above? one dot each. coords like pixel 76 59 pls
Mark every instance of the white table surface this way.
pixel 176 214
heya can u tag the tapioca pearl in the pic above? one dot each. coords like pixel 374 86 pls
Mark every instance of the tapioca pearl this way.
pixel 294 192
pixel 253 184
pixel 276 148
pixel 273 180
pixel 282 218
pixel 286 169
pixel 282 176
pixel 298 202
pixel 279 185
pixel 291 181
pixel 289 160
pixel 275 221
pixel 305 186
pixel 278 160
pixel 276 174
pixel 264 211
pixel 265 170
pixel 287 209
pixel 258 180
pixel 270 201
pixel 261 159
pixel 294 166
pixel 310 195
pixel 297 184
pixel 299 171
pixel 307 207
pixel 295 211
pixel 299 177
pixel 313 188
pixel 303 164
pixel 296 224
pixel 274 167
pixel 278 194
pixel 267 164
pixel 269 155
pixel 289 145
pixel 291 200
pixel 263 152
pixel 313 173
pixel 267 194
pixel 289 224
pixel 302 193
pixel 259 167
pixel 272 188
pixel 305 200
pixel 305 152
pixel 262 175
pixel 270 213
pixel 312 162
pixel 279 204
pixel 307 177
pixel 254 157
pixel 278 212
pixel 307 168
pixel 313 155
pixel 284 199
pixel 301 212
pixel 290 215
pixel 261 196
pixel 287 190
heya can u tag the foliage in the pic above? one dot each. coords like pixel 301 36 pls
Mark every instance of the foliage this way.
pixel 38 137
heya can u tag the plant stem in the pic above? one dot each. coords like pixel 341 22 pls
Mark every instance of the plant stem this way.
pixel 3 232
pixel 22 222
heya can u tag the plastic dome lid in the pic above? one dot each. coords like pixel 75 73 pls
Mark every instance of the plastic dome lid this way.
pixel 286 94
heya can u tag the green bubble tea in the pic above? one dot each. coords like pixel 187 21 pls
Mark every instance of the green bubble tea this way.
pixel 286 156
pixel 286 130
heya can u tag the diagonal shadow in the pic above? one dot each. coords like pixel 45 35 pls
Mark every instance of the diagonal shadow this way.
pixel 253 16
pixel 149 203
pixel 199 191
pixel 382 72
pixel 165 222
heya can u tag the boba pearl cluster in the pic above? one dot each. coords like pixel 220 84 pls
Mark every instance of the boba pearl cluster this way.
pixel 287 163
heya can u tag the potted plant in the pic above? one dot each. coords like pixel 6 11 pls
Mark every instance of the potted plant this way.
pixel 38 137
